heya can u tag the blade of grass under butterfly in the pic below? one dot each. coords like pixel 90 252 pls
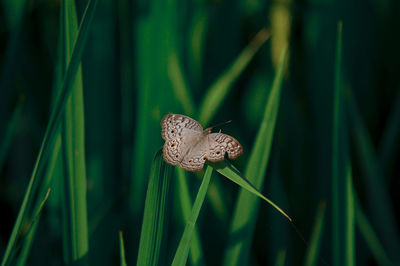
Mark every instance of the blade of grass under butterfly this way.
pixel 230 172
pixel 6 139
pixel 73 199
pixel 246 207
pixel 54 121
pixel 380 205
pixel 196 252
pixel 152 231
pixel 185 242
pixel 317 230
pixel 217 92
pixel 370 237
pixel 122 249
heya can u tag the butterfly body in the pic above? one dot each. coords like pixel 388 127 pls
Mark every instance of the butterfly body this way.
pixel 189 146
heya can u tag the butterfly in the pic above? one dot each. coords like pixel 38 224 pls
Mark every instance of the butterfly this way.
pixel 189 146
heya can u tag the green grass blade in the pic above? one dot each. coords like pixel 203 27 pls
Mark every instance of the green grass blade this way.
pixel 53 124
pixel 179 84
pixel 246 208
pixel 379 202
pixel 339 159
pixel 31 230
pixel 227 170
pixel 216 94
pixel 154 212
pixel 122 249
pixel 370 237
pixel 196 252
pixel 6 139
pixel 350 255
pixel 185 242
pixel 74 204
pixel 318 228
pixel 280 258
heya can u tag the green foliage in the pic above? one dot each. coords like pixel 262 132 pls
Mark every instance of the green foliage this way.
pixel 84 85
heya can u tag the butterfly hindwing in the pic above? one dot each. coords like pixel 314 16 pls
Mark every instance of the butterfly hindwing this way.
pixel 220 143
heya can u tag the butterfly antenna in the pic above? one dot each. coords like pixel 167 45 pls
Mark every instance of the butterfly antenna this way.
pixel 220 124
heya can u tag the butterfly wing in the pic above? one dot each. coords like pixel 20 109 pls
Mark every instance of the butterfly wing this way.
pixel 180 134
pixel 195 158
pixel 219 144
pixel 174 126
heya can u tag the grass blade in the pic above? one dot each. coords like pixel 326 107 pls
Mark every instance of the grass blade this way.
pixel 350 255
pixel 370 237
pixel 280 258
pixel 54 121
pixel 247 206
pixel 342 192
pixel 154 212
pixel 74 206
pixel 318 228
pixel 380 205
pixel 122 249
pixel 185 242
pixel 227 170
pixel 220 89
pixel 337 164
pixel 196 252
pixel 179 84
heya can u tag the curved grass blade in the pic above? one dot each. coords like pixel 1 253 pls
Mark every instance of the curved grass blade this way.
pixel 154 212
pixel 216 94
pixel 185 242
pixel 246 208
pixel 55 119
pixel 230 172
pixel 122 249
pixel 318 228
pixel 196 252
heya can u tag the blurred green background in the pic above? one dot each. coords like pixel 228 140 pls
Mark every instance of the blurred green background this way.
pixel 215 61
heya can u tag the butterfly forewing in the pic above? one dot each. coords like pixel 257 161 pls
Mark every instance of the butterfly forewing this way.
pixel 174 125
